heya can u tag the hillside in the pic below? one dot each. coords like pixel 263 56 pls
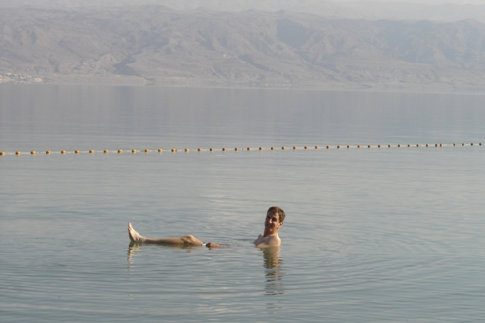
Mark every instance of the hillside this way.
pixel 155 45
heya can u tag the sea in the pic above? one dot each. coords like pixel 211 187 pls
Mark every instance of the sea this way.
pixel 383 192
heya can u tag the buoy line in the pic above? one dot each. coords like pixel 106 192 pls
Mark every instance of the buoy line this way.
pixel 236 149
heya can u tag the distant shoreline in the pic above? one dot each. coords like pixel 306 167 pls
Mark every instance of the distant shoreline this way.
pixel 410 89
pixel 139 82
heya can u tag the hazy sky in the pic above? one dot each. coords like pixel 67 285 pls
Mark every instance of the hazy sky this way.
pixel 236 2
pixel 357 9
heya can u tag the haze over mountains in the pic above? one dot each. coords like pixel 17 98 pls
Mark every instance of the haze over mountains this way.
pixel 182 44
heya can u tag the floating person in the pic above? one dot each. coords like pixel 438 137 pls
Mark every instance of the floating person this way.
pixel 272 224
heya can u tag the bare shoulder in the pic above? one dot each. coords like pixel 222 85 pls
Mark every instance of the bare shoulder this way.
pixel 268 241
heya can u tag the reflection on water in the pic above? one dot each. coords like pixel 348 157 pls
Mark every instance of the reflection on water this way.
pixel 133 248
pixel 273 273
pixel 71 118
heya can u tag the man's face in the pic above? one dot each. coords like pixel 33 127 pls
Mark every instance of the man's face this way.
pixel 272 222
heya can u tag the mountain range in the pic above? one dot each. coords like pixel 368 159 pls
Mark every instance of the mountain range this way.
pixel 157 45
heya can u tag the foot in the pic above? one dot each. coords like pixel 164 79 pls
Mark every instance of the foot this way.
pixel 134 236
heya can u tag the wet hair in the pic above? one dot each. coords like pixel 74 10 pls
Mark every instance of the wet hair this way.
pixel 278 210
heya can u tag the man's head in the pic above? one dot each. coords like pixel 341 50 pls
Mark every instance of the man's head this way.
pixel 281 213
pixel 274 220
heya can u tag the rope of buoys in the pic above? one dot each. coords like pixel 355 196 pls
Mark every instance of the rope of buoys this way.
pixel 237 149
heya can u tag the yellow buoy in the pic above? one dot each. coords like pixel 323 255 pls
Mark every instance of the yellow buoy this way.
pixel 211 149
pixel 106 151
pixel 91 151
pixel 76 152
pixel 316 147
pixel 260 148
pixel 2 153
pixel 33 152
pixel 63 152
pixel 147 150
pixel 133 151
pixel 120 151
pixel 186 150
pixel 160 150
pixel 223 149
pixel 248 149
pixel 199 149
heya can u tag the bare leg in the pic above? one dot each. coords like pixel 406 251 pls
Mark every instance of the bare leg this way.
pixel 188 240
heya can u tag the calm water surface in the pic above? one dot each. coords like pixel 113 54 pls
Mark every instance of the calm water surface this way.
pixel 371 234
